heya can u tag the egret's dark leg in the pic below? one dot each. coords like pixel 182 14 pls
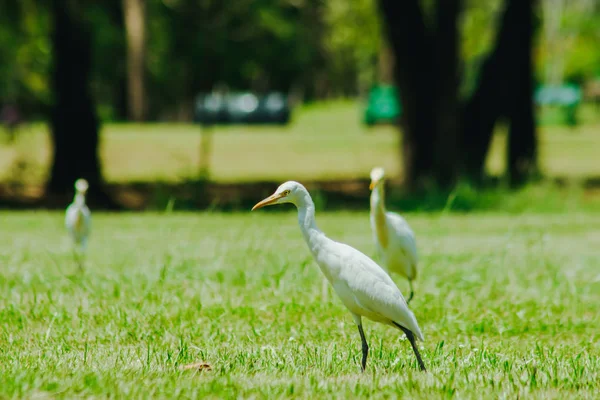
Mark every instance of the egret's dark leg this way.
pixel 412 292
pixel 78 259
pixel 365 347
pixel 413 343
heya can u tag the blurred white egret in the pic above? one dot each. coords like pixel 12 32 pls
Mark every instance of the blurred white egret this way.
pixel 362 285
pixel 78 220
pixel 394 239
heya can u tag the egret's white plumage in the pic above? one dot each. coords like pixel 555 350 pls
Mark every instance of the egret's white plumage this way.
pixel 394 239
pixel 78 220
pixel 362 285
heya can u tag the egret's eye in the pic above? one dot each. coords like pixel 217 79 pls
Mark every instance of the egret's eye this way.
pixel 286 192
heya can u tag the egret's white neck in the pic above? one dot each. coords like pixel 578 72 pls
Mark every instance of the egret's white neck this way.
pixel 378 200
pixel 378 215
pixel 79 199
pixel 313 236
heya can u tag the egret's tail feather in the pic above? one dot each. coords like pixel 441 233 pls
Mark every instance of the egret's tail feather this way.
pixel 416 331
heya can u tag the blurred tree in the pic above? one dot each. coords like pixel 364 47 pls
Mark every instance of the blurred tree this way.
pixel 74 124
pixel 106 24
pixel 505 90
pixel 24 56
pixel 445 138
pixel 353 44
pixel 135 25
pixel 569 42
pixel 426 74
pixel 332 48
pixel 246 44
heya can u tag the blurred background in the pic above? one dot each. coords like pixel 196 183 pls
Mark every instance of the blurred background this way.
pixel 208 104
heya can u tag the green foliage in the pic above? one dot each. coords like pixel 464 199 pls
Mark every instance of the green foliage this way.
pixel 317 47
pixel 105 23
pixel 583 57
pixel 353 41
pixel 25 54
pixel 245 44
pixel 568 45
pixel 508 306
pixel 540 197
pixel 478 28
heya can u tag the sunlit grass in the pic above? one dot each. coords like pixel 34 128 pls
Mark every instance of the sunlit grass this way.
pixel 509 307
pixel 323 142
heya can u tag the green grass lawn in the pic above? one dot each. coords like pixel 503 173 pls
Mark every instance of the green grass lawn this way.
pixel 323 142
pixel 509 306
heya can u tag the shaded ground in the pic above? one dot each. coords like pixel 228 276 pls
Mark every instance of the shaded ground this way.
pixel 192 195
pixel 330 194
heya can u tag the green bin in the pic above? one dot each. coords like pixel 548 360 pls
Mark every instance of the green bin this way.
pixel 383 105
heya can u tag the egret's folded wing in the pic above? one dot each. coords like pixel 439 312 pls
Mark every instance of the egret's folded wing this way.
pixel 402 234
pixel 374 290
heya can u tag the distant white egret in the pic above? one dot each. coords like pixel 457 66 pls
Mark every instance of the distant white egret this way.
pixel 394 239
pixel 78 220
pixel 362 285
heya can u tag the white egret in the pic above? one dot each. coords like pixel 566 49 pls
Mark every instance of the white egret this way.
pixel 394 239
pixel 362 285
pixel 78 220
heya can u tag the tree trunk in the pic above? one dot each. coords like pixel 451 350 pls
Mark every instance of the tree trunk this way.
pixel 411 45
pixel 505 89
pixel 440 141
pixel 385 64
pixel 488 102
pixel 135 26
pixel 120 90
pixel 74 124
pixel 426 72
pixel 522 141
pixel 316 81
pixel 446 147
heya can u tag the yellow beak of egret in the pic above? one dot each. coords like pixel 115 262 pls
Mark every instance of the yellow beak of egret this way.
pixel 373 184
pixel 268 201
